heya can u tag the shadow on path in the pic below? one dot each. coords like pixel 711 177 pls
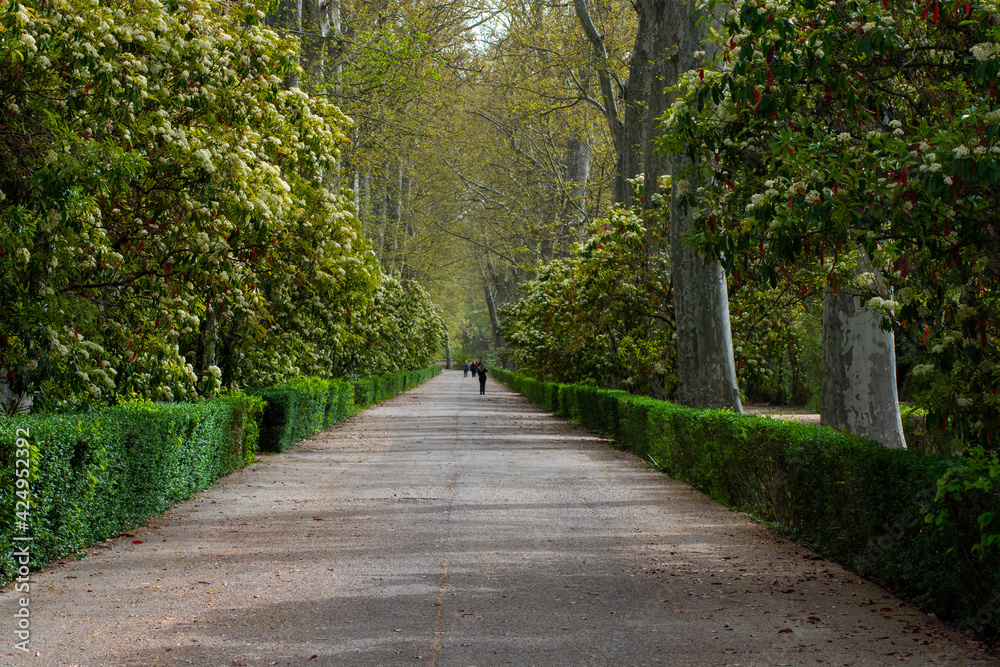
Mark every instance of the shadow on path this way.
pixel 447 528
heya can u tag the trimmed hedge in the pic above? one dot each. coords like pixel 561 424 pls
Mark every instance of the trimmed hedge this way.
pixel 294 410
pixel 97 474
pixel 378 388
pixel 847 497
pixel 304 406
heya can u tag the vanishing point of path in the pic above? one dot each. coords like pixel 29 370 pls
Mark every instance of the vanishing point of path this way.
pixel 451 529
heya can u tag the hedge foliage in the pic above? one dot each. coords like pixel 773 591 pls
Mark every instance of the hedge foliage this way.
pixel 377 388
pixel 94 475
pixel 302 406
pixel 845 496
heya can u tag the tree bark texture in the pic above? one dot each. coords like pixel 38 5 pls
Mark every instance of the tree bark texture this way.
pixel 666 42
pixel 706 368
pixel 858 383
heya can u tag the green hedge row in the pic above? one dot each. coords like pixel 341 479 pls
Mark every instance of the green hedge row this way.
pixel 306 405
pixel 377 388
pixel 847 497
pixel 301 407
pixel 96 474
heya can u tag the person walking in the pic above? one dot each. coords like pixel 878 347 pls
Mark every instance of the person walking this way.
pixel 465 369
pixel 472 367
pixel 482 377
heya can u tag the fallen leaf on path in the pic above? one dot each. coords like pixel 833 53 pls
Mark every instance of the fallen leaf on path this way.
pixel 136 541
pixel 784 630
pixel 316 518
pixel 312 658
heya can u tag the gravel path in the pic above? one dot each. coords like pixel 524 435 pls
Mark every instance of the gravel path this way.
pixel 447 528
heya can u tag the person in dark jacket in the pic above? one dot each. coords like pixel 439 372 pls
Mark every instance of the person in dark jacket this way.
pixel 472 367
pixel 465 369
pixel 481 368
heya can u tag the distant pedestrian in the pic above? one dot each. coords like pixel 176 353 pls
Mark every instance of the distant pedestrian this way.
pixel 482 377
pixel 465 369
pixel 472 367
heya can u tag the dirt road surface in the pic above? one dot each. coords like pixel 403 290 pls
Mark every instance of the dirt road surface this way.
pixel 450 529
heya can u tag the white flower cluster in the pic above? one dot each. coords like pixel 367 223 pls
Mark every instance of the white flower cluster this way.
pixel 985 51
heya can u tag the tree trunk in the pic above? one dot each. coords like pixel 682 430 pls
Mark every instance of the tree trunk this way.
pixel 498 341
pixel 287 17
pixel 706 369
pixel 447 351
pixel 625 132
pixel 578 157
pixel 858 383
pixel 667 39
pixel 642 82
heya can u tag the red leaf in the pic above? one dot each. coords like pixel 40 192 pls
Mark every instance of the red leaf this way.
pixel 136 541
pixel 937 12
pixel 784 630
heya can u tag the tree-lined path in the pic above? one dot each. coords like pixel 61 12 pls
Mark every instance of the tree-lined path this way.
pixel 447 528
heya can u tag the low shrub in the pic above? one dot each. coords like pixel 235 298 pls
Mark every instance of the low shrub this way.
pixel 340 404
pixel 847 497
pixel 96 474
pixel 295 410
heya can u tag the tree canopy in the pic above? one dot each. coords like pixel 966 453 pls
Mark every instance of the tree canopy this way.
pixel 165 226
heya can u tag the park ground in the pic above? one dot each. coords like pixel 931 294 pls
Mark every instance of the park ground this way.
pixel 447 528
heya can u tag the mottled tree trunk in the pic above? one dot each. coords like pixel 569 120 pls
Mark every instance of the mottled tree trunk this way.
pixel 578 157
pixel 667 39
pixel 858 385
pixel 706 369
